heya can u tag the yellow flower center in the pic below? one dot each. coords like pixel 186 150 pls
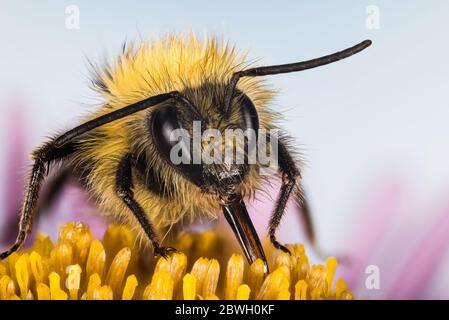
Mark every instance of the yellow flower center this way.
pixel 79 267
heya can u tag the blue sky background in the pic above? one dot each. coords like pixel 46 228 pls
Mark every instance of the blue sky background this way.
pixel 380 114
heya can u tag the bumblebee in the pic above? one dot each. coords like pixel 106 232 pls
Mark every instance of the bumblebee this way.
pixel 121 153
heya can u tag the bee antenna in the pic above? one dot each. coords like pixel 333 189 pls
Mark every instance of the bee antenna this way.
pixel 286 68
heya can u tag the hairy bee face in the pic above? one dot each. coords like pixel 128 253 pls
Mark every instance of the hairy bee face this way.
pixel 208 149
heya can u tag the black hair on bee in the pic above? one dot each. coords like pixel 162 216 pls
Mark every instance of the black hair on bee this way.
pixel 121 153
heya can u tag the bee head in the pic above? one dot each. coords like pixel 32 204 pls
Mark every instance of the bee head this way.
pixel 198 152
pixel 207 147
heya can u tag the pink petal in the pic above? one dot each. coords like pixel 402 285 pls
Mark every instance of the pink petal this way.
pixel 416 273
pixel 375 216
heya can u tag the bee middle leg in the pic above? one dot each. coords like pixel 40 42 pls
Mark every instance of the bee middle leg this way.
pixel 53 187
pixel 124 189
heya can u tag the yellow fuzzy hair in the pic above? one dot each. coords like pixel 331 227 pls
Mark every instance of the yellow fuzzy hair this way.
pixel 148 69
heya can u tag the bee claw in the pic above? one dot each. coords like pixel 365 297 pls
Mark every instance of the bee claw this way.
pixel 164 252
pixel 279 246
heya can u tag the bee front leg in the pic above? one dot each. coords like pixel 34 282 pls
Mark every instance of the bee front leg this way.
pixel 124 186
pixel 26 216
pixel 290 177
pixel 43 157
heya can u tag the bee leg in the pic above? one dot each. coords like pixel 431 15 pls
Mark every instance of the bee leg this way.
pixel 303 205
pixel 290 176
pixel 124 186
pixel 53 187
pixel 51 190
pixel 43 156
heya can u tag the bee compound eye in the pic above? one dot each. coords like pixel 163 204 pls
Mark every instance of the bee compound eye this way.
pixel 251 121
pixel 249 113
pixel 173 143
